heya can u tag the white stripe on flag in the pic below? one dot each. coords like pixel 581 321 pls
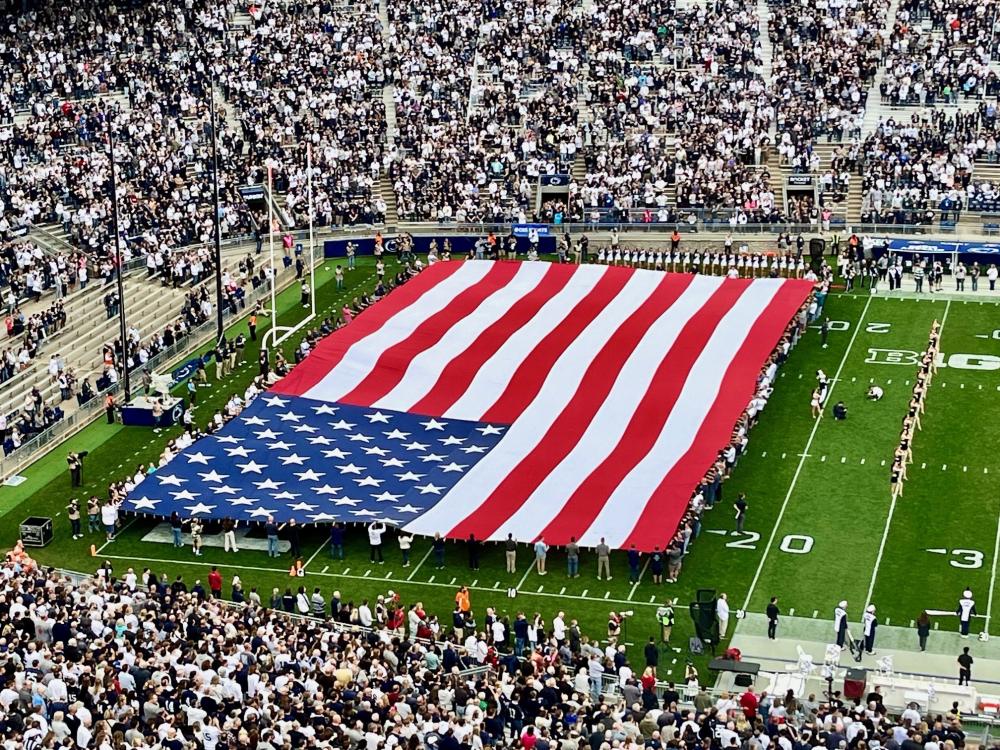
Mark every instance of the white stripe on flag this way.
pixel 529 428
pixel 622 510
pixel 359 361
pixel 494 376
pixel 612 418
pixel 423 371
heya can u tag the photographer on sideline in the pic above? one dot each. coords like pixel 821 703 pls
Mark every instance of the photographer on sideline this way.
pixel 75 463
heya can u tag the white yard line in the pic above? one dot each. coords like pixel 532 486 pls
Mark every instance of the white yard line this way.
pixel 117 534
pixel 422 561
pixel 804 454
pixel 993 577
pixel 892 504
pixel 641 574
pixel 527 573
pixel 313 556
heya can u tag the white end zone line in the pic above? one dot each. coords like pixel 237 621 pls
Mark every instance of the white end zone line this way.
pixel 802 459
pixel 993 578
pixel 892 504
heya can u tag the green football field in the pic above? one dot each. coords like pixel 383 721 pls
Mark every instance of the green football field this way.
pixel 821 525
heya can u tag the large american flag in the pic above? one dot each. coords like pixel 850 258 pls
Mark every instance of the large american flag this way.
pixel 542 400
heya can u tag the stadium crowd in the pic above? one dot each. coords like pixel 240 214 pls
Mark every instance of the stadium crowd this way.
pixel 127 659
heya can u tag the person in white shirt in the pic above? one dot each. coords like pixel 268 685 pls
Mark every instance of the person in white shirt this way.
pixel 722 612
pixel 375 532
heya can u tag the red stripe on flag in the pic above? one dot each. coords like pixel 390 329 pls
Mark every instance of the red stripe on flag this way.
pixel 567 429
pixel 332 349
pixel 667 505
pixel 392 363
pixel 527 381
pixel 650 415
pixel 457 375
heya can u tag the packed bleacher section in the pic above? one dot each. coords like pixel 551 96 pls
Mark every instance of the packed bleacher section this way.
pixel 134 657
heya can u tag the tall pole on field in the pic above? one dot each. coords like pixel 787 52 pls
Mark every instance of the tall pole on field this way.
pixel 122 327
pixel 312 245
pixel 220 330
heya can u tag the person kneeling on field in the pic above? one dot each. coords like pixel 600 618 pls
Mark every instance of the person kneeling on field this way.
pixel 875 393
pixel 840 410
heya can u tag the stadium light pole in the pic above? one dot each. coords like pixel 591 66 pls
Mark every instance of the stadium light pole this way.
pixel 217 223
pixel 122 327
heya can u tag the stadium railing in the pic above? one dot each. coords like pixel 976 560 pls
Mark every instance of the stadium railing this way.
pixel 30 449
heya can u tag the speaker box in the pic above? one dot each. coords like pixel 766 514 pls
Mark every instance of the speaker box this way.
pixel 817 248
pixel 855 681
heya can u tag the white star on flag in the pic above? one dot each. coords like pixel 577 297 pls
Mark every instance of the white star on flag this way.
pixel 415 446
pixel 144 503
pixel 317 517
pixel 252 467
pixel 224 490
pixel 473 449
pixel 342 425
pixel 409 476
pixel 326 490
pixel 389 462
pixel 324 409
pixel 290 416
pixel 369 481
pixel 213 476
pixel 345 501
pixel 431 457
pixel 304 428
pixel 228 439
pixel 302 506
pixel 199 458
pixel 280 445
pixel 386 497
pixel 396 435
pixel 260 512
pixel 255 421
pixel 199 508
pixel 377 417
pixel 275 401
pixel 407 508
pixel 268 434
pixel 448 468
pixel 319 440
pixel 336 453
pixel 349 469
pixel 241 500
pixel 429 489
pixel 364 512
pixel 451 440
pixel 171 479
pixel 268 484
pixel 286 495
pixel 239 451
pixel 294 459
pixel 360 438
pixel 309 475
pixel 185 495
pixel 375 451
pixel 433 424
pixel 489 430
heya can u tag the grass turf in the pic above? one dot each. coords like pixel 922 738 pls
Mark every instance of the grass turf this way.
pixel 818 493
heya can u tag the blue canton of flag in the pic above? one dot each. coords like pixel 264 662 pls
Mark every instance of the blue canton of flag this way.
pixel 292 457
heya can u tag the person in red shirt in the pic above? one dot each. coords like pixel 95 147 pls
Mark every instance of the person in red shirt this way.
pixel 749 702
pixel 529 739
pixel 215 583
